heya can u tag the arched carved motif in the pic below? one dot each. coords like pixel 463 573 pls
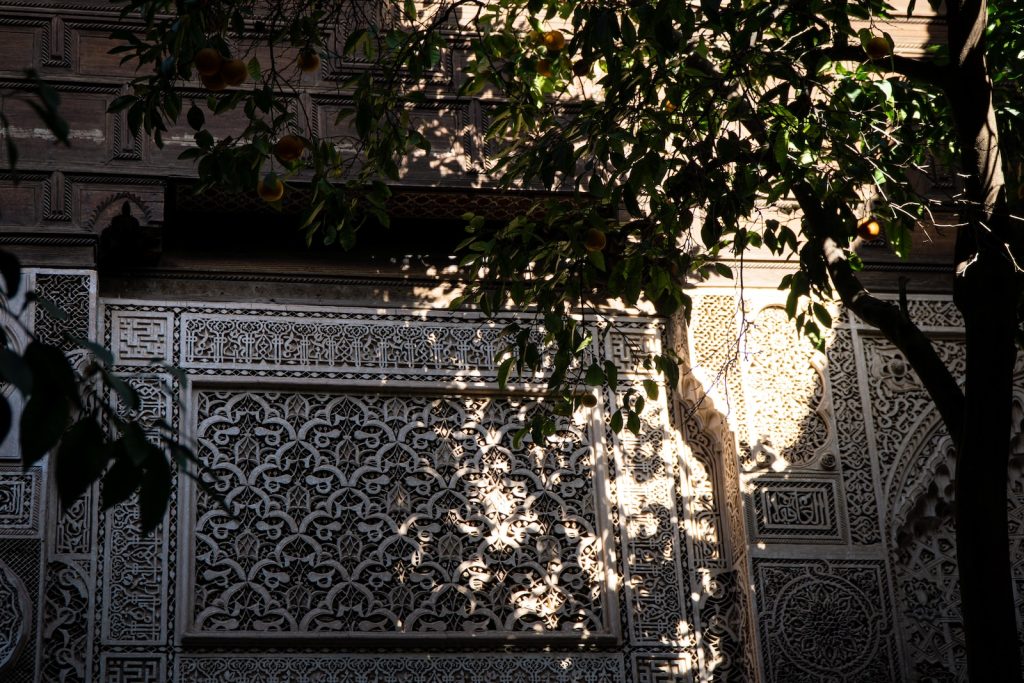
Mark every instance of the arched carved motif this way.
pixel 920 534
pixel 716 531
pixel 787 390
pixel 110 207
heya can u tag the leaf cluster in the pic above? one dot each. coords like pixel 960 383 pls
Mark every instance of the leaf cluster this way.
pixel 676 138
pixel 83 414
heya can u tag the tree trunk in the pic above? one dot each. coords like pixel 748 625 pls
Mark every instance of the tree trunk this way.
pixel 986 292
pixel 982 533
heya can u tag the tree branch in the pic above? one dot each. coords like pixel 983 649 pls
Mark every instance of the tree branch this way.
pixel 916 69
pixel 887 317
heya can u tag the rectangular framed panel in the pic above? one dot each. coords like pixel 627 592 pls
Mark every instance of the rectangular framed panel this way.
pixel 341 514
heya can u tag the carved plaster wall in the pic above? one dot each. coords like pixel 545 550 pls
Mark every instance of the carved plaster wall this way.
pixel 846 475
pixel 369 517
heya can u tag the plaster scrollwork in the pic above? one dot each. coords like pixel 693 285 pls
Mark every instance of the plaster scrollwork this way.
pixel 15 617
pixel 135 603
pixel 132 668
pixel 68 595
pixel 715 354
pixel 648 470
pixel 825 621
pixel 892 368
pixel 663 668
pixel 358 513
pixel 920 531
pixel 787 508
pixel 65 614
pixel 919 490
pixel 791 407
pixel 715 532
pixel 384 519
pixel 898 399
pixel 74 295
pixel 141 339
pixel 20 501
pixel 725 611
pixel 554 667
pixel 854 456
pixel 935 313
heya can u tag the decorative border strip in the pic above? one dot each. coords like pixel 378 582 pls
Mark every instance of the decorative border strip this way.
pixel 554 667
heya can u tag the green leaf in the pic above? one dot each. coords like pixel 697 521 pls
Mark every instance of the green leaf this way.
pixel 537 430
pixel 595 375
pixel 154 492
pixel 196 118
pixel 204 139
pixel 137 447
pixel 43 420
pixel 781 147
pixel 183 456
pixel 121 480
pixel 101 352
pixel 651 389
pixel 81 459
pixel 15 370
pixel 254 69
pixel 669 367
pixel 616 422
pixel 611 372
pixel 503 370
pixel 517 438
pixel 124 391
pixel 54 122
pixel 12 149
pixel 354 40
pixel 822 314
pixel 51 309
pixel 6 418
pixel 10 269
pixel 48 409
pixel 633 422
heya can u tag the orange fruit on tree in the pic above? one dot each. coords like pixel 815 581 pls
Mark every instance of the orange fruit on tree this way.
pixel 208 61
pixel 878 47
pixel 234 72
pixel 595 240
pixel 869 228
pixel 588 400
pixel 554 41
pixel 543 67
pixel 214 83
pixel 308 60
pixel 289 148
pixel 270 188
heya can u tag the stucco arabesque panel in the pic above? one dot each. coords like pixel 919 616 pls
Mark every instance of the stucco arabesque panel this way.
pixel 451 362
